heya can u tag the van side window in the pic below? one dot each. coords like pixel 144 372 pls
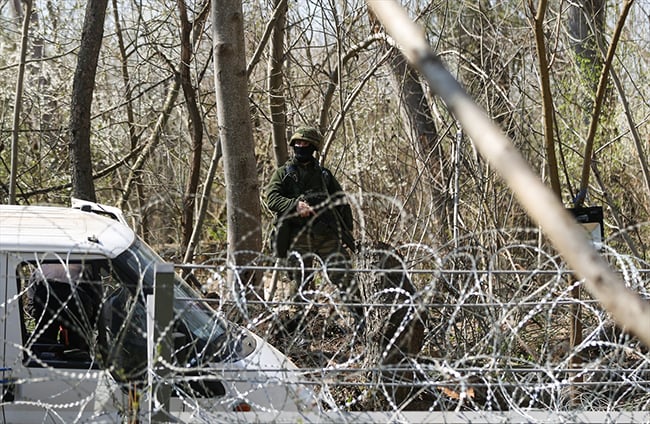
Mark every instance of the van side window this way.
pixel 60 303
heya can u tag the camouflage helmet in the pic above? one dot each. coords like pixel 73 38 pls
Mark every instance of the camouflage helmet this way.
pixel 308 134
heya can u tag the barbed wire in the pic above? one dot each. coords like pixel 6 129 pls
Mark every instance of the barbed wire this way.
pixel 432 337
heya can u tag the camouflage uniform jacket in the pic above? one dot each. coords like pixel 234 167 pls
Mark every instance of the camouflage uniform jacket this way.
pixel 295 181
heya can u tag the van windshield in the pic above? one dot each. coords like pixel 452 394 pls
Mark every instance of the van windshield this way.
pixel 200 335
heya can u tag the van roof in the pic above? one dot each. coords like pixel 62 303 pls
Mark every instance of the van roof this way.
pixel 60 229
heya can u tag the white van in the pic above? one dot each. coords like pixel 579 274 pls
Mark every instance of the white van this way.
pixel 73 291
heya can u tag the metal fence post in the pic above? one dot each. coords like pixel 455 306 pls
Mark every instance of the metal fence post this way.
pixel 160 312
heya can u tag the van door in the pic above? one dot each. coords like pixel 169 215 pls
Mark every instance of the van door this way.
pixel 54 383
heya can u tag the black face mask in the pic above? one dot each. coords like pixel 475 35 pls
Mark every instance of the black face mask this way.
pixel 304 154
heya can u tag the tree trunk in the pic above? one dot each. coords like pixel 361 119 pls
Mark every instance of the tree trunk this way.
pixel 277 103
pixel 586 22
pixel 235 130
pixel 394 330
pixel 17 104
pixel 547 100
pixel 418 123
pixel 195 124
pixel 82 95
pixel 598 99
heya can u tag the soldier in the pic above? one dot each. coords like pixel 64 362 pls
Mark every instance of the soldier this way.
pixel 312 215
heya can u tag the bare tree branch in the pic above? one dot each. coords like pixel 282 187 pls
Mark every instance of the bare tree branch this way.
pixel 153 140
pixel 277 13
